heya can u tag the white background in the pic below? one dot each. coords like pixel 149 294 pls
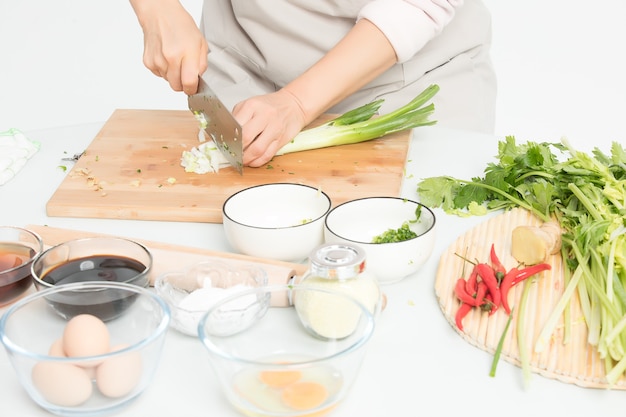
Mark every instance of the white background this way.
pixel 560 65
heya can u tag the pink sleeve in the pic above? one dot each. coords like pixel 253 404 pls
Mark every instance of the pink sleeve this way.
pixel 409 24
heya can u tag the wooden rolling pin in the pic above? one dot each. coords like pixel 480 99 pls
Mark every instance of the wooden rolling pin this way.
pixel 169 257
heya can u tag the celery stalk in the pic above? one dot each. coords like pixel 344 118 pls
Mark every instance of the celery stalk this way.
pixel 550 324
pixel 524 354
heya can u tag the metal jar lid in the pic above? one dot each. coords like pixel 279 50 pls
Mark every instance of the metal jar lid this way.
pixel 337 261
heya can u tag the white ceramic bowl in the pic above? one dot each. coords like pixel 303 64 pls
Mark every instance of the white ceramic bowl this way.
pixel 281 221
pixel 84 372
pixel 287 361
pixel 357 222
pixel 192 291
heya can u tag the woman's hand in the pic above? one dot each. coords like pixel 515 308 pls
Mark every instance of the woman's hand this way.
pixel 268 122
pixel 174 47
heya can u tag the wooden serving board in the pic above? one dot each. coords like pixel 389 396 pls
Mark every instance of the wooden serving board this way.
pixel 168 257
pixel 131 170
pixel 574 362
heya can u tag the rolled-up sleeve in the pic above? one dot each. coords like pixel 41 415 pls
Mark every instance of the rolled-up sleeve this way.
pixel 409 24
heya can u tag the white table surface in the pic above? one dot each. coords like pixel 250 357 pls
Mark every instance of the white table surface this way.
pixel 416 363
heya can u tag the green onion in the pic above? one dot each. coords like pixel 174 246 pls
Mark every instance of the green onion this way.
pixel 496 356
pixel 359 125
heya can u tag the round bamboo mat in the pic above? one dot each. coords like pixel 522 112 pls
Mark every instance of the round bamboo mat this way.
pixel 572 361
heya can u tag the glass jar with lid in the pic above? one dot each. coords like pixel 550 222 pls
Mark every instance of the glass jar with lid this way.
pixel 342 268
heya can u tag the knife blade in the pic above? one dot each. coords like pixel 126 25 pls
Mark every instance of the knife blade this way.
pixel 218 123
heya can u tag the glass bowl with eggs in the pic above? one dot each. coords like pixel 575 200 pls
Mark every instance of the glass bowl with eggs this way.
pixel 84 366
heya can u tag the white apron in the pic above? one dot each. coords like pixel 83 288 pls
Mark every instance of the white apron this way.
pixel 258 46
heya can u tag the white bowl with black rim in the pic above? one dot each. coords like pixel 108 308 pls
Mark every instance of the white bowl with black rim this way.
pixel 359 222
pixel 280 221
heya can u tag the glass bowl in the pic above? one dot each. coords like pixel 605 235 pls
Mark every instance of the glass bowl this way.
pixel 93 259
pixel 84 366
pixel 18 249
pixel 274 360
pixel 192 291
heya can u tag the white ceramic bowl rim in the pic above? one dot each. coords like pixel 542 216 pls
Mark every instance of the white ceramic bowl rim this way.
pixel 140 246
pixel 432 214
pixel 367 333
pixel 225 212
pixel 39 243
pixel 158 332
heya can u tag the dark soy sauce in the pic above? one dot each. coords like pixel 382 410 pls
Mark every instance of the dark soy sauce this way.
pixel 105 303
pixel 95 268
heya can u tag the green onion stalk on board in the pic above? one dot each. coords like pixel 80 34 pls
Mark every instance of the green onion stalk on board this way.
pixel 586 194
pixel 354 126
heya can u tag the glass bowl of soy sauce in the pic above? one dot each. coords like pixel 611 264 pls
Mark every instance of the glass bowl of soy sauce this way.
pixel 100 259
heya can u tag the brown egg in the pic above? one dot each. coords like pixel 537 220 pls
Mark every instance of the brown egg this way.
pixel 62 384
pixel 119 375
pixel 85 335
pixel 56 349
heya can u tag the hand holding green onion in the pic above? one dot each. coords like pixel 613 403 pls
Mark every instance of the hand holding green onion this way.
pixel 354 126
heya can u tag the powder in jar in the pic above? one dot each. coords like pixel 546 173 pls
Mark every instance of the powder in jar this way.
pixel 330 316
pixel 341 268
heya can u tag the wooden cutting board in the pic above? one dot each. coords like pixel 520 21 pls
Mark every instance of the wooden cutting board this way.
pixel 131 170
pixel 574 362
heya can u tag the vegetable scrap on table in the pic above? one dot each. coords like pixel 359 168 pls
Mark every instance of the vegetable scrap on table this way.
pixel 15 150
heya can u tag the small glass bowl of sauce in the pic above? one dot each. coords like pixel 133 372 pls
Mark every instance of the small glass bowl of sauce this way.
pixel 101 259
pixel 18 249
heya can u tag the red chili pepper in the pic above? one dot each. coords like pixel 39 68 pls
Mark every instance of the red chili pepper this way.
pixel 530 271
pixel 514 277
pixel 464 308
pixel 499 269
pixel 487 274
pixel 505 286
pixel 463 295
pixel 472 281
pixel 481 292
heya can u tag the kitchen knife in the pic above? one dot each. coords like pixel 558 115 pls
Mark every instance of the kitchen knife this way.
pixel 218 123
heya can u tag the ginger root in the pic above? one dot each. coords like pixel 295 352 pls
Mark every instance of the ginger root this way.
pixel 531 245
